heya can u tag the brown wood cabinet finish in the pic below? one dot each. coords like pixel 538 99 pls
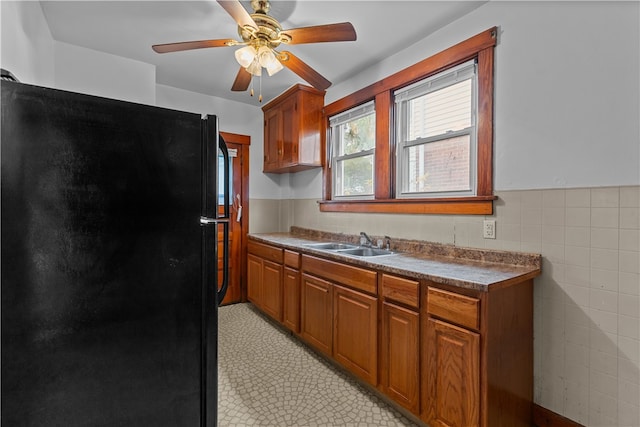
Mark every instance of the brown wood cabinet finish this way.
pixel 254 279
pixel 292 128
pixel 264 278
pixel 354 277
pixel 400 355
pixel 291 299
pixel 452 376
pixel 316 313
pixel 355 332
pixel 400 290
pixel 453 356
pixel 458 309
pixel 495 329
pixel 291 291
pixel 272 289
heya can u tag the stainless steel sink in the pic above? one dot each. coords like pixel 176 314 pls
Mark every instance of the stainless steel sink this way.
pixel 331 246
pixel 365 252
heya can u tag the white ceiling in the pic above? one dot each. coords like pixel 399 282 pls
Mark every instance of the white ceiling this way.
pixel 129 28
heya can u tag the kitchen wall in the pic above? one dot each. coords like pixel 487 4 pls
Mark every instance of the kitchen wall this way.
pixel 567 174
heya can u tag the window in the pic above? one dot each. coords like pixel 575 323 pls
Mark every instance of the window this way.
pixel 352 148
pixel 432 128
pixel 435 135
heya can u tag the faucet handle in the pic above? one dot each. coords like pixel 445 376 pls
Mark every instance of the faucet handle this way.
pixel 388 240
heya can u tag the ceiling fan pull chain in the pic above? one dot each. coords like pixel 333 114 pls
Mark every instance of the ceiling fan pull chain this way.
pixel 251 93
pixel 260 96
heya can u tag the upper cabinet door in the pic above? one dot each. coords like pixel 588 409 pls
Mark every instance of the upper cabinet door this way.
pixel 293 125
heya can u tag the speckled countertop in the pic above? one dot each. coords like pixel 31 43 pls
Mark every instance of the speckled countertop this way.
pixel 479 269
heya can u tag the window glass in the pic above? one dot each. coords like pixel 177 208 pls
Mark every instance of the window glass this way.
pixel 436 135
pixel 353 145
pixel 221 180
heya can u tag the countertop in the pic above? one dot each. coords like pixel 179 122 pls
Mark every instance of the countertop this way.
pixel 478 269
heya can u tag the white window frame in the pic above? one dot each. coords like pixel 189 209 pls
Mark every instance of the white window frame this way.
pixel 431 84
pixel 334 123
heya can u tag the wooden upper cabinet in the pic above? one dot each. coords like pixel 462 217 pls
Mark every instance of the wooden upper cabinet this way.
pixel 292 128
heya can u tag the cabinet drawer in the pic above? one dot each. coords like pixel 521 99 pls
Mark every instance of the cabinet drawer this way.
pixel 292 259
pixel 400 290
pixel 265 251
pixel 355 277
pixel 459 309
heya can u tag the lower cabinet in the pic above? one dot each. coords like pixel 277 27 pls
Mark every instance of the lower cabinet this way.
pixel 317 313
pixel 355 332
pixel 451 355
pixel 264 278
pixel 451 375
pixel 454 357
pixel 400 355
pixel 400 341
pixel 291 291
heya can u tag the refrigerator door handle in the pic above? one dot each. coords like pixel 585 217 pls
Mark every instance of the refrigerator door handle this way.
pixel 222 291
pixel 206 221
pixel 225 155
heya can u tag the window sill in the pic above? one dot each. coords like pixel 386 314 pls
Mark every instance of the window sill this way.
pixel 479 205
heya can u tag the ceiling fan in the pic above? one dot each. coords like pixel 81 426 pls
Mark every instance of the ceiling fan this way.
pixel 261 34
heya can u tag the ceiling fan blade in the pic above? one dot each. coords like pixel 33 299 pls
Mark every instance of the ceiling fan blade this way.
pixel 310 75
pixel 241 83
pixel 198 44
pixel 342 32
pixel 238 13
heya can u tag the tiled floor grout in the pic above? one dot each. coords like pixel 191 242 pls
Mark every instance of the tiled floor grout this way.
pixel 268 378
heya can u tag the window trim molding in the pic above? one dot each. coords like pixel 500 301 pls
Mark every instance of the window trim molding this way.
pixel 479 47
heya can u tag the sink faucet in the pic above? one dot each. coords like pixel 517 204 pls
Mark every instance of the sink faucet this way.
pixel 365 240
pixel 388 242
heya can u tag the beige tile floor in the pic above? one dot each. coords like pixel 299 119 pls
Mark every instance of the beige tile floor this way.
pixel 268 378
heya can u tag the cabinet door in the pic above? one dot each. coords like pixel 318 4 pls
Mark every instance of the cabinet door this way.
pixel 291 299
pixel 355 343
pixel 451 377
pixel 316 313
pixel 272 289
pixel 272 139
pixel 289 144
pixel 254 279
pixel 400 355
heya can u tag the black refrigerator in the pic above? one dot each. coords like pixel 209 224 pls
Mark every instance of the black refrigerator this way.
pixel 110 220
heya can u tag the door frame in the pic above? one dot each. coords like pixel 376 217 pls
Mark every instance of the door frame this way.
pixel 242 143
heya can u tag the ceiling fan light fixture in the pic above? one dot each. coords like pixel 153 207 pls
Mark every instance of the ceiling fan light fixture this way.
pixel 268 60
pixel 255 68
pixel 274 67
pixel 246 56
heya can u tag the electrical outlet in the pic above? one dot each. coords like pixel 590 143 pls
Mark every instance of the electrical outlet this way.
pixel 489 229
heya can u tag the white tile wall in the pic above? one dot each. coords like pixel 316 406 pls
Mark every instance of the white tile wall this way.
pixel 587 307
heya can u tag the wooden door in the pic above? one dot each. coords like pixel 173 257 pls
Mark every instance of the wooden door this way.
pixel 400 354
pixel 316 313
pixel 355 332
pixel 238 146
pixel 452 376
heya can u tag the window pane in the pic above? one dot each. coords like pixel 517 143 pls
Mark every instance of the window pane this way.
pixel 439 112
pixel 439 166
pixel 354 177
pixel 221 180
pixel 357 135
